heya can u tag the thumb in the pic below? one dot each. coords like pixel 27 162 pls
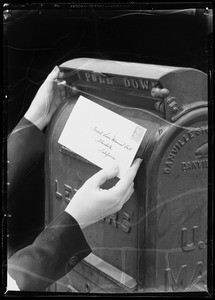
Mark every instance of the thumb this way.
pixel 54 73
pixel 102 176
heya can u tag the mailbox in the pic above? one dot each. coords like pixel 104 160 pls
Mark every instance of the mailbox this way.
pixel 157 242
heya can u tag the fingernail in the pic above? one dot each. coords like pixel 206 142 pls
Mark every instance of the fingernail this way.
pixel 140 160
pixel 62 82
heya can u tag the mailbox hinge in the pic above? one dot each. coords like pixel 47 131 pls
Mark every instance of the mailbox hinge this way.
pixel 171 107
pixel 166 104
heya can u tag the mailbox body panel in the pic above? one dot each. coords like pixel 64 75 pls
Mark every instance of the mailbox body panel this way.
pixel 177 204
pixel 67 173
pixel 157 242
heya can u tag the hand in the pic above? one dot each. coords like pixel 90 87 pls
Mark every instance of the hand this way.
pixel 91 204
pixel 47 100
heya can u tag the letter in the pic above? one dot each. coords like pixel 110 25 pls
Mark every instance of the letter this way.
pixel 105 144
pixel 166 171
pixel 106 153
pixel 188 165
pixel 160 131
pixel 109 81
pixel 94 78
pixel 180 281
pixel 117 142
pixel 177 147
pixel 184 166
pixel 87 75
pixel 199 272
pixel 134 83
pixel 180 143
pixel 101 80
pixel 67 192
pixel 144 84
pixel 153 83
pixel 198 164
pixel 186 139
pixel 189 246
pixel 58 195
pixel 168 164
pixel 107 135
pixel 175 150
pixel 128 147
pixel 97 131
pixel 171 158
pixel 87 142
pixel 194 165
pixel 125 225
pixel 127 82
pixel 191 134
pixel 112 219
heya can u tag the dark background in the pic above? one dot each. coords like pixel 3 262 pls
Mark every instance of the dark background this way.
pixel 36 38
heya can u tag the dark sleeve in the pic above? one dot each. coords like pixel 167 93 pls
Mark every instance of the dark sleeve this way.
pixel 53 254
pixel 25 145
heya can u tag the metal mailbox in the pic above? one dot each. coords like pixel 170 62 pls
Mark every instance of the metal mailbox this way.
pixel 158 240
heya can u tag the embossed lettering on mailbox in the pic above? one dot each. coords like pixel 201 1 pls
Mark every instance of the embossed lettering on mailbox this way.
pixel 183 140
pixel 201 159
pixel 136 83
pixel 194 243
pixel 125 224
pixel 181 280
pixel 57 193
pixel 67 192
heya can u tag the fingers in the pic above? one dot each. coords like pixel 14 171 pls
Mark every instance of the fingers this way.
pixel 61 85
pixel 127 194
pixel 55 77
pixel 123 184
pixel 135 166
pixel 102 176
pixel 54 73
pixel 56 83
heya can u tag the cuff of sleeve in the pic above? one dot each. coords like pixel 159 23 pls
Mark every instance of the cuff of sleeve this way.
pixel 73 245
pixel 52 255
pixel 28 131
pixel 26 122
pixel 72 237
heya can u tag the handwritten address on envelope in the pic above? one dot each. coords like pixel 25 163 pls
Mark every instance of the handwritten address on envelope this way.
pixel 101 136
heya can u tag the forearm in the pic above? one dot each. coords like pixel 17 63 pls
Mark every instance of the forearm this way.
pixel 26 144
pixel 52 255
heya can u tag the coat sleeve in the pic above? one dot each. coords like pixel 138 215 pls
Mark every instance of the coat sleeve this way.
pixel 25 145
pixel 52 255
pixel 61 245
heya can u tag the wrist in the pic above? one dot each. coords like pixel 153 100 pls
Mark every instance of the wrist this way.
pixel 39 122
pixel 75 216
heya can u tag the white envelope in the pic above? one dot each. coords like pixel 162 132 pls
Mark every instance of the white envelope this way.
pixel 101 136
